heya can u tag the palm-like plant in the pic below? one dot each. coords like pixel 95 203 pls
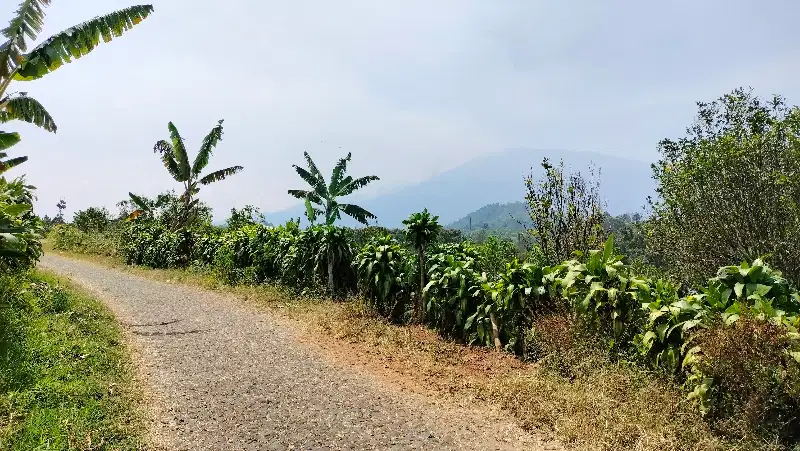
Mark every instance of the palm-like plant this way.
pixel 176 160
pixel 326 195
pixel 422 229
pixel 19 64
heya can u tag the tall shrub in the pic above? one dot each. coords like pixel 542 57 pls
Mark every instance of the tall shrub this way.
pixel 728 190
pixel 422 230
pixel 566 212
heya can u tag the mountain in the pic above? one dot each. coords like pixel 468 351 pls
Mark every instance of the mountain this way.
pixel 499 178
pixel 497 216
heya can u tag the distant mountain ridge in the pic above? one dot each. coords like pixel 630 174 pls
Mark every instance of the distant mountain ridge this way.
pixel 499 178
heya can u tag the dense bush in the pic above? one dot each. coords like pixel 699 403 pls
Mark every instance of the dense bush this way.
pixel 728 190
pixel 69 238
pixel 756 388
pixel 92 219
pixel 386 276
pixel 20 229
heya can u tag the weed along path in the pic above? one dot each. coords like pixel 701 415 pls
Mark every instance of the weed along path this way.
pixel 223 375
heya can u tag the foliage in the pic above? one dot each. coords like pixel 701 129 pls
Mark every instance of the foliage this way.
pixel 629 236
pixel 453 292
pixel 495 253
pixel 61 206
pixel 519 292
pixel 566 212
pixel 234 254
pixel 61 353
pixel 248 215
pixel 422 230
pixel 756 390
pixel 604 294
pixel 385 270
pixel 92 219
pixel 20 229
pixel 176 160
pixel 166 209
pixel 7 140
pixel 67 237
pixel 157 246
pixel 728 191
pixel 17 63
pixel 325 195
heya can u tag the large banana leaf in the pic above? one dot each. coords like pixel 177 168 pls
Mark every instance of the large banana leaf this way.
pixel 76 41
pixel 359 214
pixel 168 158
pixel 222 174
pixel 28 109
pixel 303 194
pixel 339 171
pixel 26 23
pixel 179 151
pixel 317 183
pixel 8 139
pixel 5 165
pixel 209 142
pixel 348 185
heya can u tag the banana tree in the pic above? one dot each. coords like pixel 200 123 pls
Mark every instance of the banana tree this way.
pixel 326 196
pixel 176 160
pixel 17 63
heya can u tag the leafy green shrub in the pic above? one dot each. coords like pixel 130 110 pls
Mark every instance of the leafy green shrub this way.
pixel 234 257
pixel 738 161
pixel 671 321
pixel 453 295
pixel 67 237
pixel 154 245
pixel 495 253
pixel 92 219
pixel 385 270
pixel 606 296
pixel 20 229
pixel 453 291
pixel 521 291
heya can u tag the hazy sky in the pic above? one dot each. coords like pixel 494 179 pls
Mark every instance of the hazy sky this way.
pixel 411 87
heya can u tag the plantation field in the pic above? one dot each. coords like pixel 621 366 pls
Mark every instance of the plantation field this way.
pixel 581 398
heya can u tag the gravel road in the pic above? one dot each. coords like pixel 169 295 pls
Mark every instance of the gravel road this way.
pixel 223 375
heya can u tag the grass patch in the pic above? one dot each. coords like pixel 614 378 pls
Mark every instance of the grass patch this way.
pixel 65 374
pixel 585 401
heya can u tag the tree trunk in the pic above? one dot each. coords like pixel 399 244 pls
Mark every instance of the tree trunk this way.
pixel 330 272
pixel 498 346
pixel 420 310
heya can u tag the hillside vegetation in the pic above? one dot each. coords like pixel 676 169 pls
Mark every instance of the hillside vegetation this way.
pixel 496 216
pixel 720 327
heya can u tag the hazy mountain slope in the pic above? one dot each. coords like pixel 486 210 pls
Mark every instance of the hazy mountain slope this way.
pixel 508 216
pixel 499 178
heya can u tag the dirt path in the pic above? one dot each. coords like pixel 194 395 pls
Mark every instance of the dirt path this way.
pixel 222 375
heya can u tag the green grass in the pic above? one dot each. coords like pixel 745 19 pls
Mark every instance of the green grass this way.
pixel 65 374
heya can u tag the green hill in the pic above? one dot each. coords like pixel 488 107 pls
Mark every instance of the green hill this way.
pixel 497 216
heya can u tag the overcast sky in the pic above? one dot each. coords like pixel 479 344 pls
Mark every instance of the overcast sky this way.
pixel 411 87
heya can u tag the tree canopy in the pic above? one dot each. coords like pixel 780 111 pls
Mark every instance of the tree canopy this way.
pixel 729 190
